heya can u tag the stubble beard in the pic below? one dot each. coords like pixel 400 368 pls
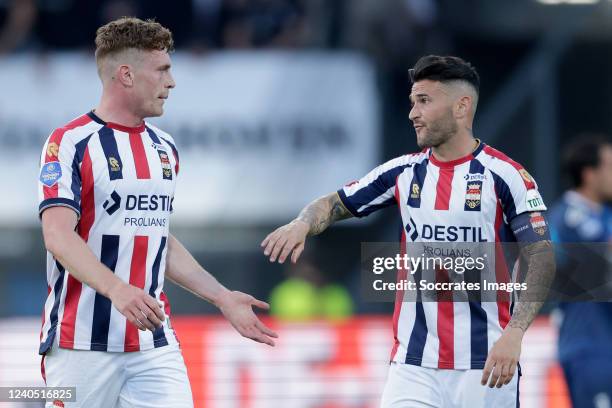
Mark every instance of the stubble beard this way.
pixel 438 132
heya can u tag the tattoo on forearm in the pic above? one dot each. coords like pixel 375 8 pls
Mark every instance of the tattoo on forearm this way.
pixel 540 274
pixel 322 212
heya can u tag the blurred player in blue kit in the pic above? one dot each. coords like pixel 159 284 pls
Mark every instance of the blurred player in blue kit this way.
pixel 582 216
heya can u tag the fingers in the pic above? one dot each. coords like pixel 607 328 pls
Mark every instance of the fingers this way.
pixel 289 246
pixel 270 242
pixel 156 308
pixel 511 371
pixel 486 372
pixel 260 304
pixel 297 252
pixel 132 319
pixel 265 330
pixel 503 379
pixel 280 244
pixel 495 375
pixel 257 335
pixel 266 240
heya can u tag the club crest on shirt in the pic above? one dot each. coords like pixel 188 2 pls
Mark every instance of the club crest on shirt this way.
pixel 52 149
pixel 538 223
pixel 114 164
pixel 50 173
pixel 415 191
pixel 473 195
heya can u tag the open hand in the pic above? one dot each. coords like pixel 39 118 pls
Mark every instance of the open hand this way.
pixel 282 241
pixel 237 307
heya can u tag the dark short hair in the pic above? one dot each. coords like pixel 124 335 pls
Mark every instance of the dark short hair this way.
pixel 131 32
pixel 583 153
pixel 444 69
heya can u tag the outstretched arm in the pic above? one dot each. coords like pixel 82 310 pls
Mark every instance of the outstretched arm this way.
pixel 312 220
pixel 237 307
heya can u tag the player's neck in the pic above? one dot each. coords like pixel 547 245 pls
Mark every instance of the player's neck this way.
pixel 457 147
pixel 110 111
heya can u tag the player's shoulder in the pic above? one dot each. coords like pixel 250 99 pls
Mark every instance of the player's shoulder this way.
pixel 406 160
pixel 74 131
pixel 504 166
pixel 160 133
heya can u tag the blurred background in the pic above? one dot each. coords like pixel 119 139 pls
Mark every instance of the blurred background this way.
pixel 279 102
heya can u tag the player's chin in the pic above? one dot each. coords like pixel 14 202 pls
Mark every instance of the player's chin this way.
pixel 155 111
pixel 423 142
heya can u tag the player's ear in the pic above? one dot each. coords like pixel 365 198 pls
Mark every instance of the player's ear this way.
pixel 125 76
pixel 462 106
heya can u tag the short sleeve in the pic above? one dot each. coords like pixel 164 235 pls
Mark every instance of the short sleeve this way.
pixel 374 191
pixel 59 182
pixel 517 191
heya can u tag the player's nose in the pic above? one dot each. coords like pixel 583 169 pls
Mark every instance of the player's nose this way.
pixel 171 84
pixel 414 113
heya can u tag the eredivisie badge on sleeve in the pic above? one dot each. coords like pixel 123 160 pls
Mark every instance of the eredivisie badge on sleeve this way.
pixel 50 173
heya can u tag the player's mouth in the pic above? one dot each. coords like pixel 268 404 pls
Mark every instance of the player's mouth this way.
pixel 418 126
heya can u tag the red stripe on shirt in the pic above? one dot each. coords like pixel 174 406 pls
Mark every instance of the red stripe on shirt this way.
pixel 501 272
pixel 529 184
pixel 71 304
pixel 401 275
pixel 42 369
pixel 88 209
pixel 445 324
pixel 56 137
pixel 137 278
pixel 164 298
pixel 73 286
pixel 140 157
pixel 444 188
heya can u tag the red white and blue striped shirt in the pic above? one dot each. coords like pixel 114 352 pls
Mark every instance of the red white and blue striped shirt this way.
pixel 471 199
pixel 120 181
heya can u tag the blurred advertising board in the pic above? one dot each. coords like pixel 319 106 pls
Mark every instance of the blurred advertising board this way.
pixel 259 134
pixel 318 364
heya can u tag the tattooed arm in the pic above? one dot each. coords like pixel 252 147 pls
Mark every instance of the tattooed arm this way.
pixel 312 220
pixel 322 212
pixel 540 274
pixel 504 356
